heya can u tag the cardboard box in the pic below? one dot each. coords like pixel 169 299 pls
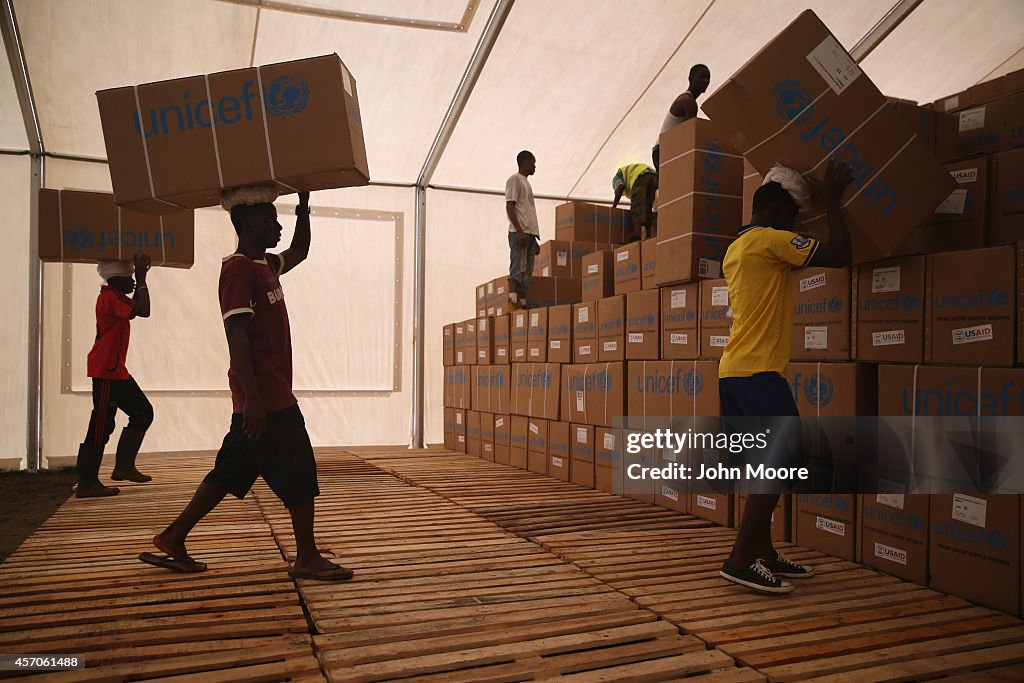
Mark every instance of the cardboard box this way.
pixel 584 332
pixel 594 393
pixel 628 269
pixel 981 129
pixel 448 345
pixel 88 227
pixel 821 314
pixel 1020 302
pixel 295 125
pixel 537 448
pixel 481 301
pixel 473 433
pixel 598 276
pixel 582 222
pixel 500 386
pixel 936 129
pixel 449 428
pixel 479 377
pixel 802 99
pixel 560 258
pixel 782 516
pixel 502 342
pixel 611 334
pixel 457 387
pixel 752 180
pixel 680 310
pixel 649 263
pixel 607 466
pixel 461 357
pixel 666 388
pixel 643 325
pixel 560 334
pixel 714 507
pixel 519 336
pixel 460 431
pixel 487 436
pixel 503 439
pixel 499 298
pixel 582 449
pixel 700 183
pixel 537 335
pixel 470 342
pixel 1007 224
pixel 559 454
pixel 553 291
pixel 690 258
pixel 961 221
pixel 1013 128
pixel 484 341
pixel 975 549
pixel 888 321
pixel 715 323
pixel 894 534
pixel 970 303
pixel 536 389
pixel 827 523
pixel 519 441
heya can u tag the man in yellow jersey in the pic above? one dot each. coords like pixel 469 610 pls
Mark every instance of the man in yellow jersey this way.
pixel 752 381
pixel 638 182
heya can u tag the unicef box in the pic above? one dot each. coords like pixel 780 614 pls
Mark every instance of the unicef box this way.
pixel 178 143
pixel 88 227
pixel 802 99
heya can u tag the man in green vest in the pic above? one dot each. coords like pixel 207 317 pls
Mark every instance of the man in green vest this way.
pixel 639 182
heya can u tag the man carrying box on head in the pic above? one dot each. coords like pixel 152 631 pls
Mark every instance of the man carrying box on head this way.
pixel 523 229
pixel 639 182
pixel 752 374
pixel 112 385
pixel 267 436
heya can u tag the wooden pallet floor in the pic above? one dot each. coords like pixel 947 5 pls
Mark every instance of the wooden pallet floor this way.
pixel 848 623
pixel 443 594
pixel 76 587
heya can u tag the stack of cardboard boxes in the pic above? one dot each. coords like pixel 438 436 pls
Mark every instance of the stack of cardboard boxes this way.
pixel 934 329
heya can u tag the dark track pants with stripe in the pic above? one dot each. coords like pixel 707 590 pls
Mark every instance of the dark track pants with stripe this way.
pixel 109 396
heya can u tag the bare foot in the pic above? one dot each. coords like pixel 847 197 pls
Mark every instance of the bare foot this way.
pixel 175 549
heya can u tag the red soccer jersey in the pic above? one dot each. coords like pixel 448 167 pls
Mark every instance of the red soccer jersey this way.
pixel 248 286
pixel 109 351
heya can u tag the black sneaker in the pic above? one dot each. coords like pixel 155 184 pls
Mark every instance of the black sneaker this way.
pixel 789 569
pixel 756 577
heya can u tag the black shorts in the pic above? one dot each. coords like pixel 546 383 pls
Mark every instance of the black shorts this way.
pixel 283 457
pixel 759 403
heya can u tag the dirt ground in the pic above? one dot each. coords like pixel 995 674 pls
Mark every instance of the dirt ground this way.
pixel 27 500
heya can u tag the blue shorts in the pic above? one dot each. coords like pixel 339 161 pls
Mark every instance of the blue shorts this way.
pixel 759 403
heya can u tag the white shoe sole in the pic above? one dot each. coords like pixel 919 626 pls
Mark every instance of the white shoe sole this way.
pixel 809 573
pixel 784 587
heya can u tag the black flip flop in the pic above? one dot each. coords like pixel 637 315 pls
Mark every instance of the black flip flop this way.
pixel 336 574
pixel 182 566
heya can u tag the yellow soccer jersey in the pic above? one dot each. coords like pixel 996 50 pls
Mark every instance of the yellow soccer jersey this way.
pixel 757 271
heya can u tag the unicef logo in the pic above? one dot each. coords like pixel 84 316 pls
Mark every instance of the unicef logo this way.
pixel 998 297
pixel 690 315
pixel 694 383
pixel 78 239
pixel 996 540
pixel 915 521
pixel 602 381
pixel 818 393
pixel 545 379
pixel 910 301
pixel 835 305
pixel 842 504
pixel 713 162
pixel 650 319
pixel 286 96
pixel 791 101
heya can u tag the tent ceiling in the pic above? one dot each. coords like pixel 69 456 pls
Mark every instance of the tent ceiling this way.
pixel 579 82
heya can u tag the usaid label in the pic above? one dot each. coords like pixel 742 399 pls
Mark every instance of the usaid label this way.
pixel 966 335
pixel 678 339
pixel 889 338
pixel 636 337
pixel 556 462
pixel 965 175
pixel 670 493
pixel 706 502
pixel 719 341
pixel 830 526
pixel 891 554
pixel 813 282
pixel 593 268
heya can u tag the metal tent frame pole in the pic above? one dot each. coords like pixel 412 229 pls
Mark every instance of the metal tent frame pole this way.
pixel 893 18
pixel 488 38
pixel 23 87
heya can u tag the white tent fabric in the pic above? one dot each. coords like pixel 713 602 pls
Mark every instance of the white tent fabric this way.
pixel 582 83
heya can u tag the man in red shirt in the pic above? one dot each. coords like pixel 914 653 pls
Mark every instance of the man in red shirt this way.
pixel 113 387
pixel 267 436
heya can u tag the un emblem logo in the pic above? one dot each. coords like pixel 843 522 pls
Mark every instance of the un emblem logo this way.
pixel 694 383
pixel 835 305
pixel 910 302
pixel 285 96
pixel 842 504
pixel 996 540
pixel 818 393
pixel 77 239
pixel 915 521
pixel 791 101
